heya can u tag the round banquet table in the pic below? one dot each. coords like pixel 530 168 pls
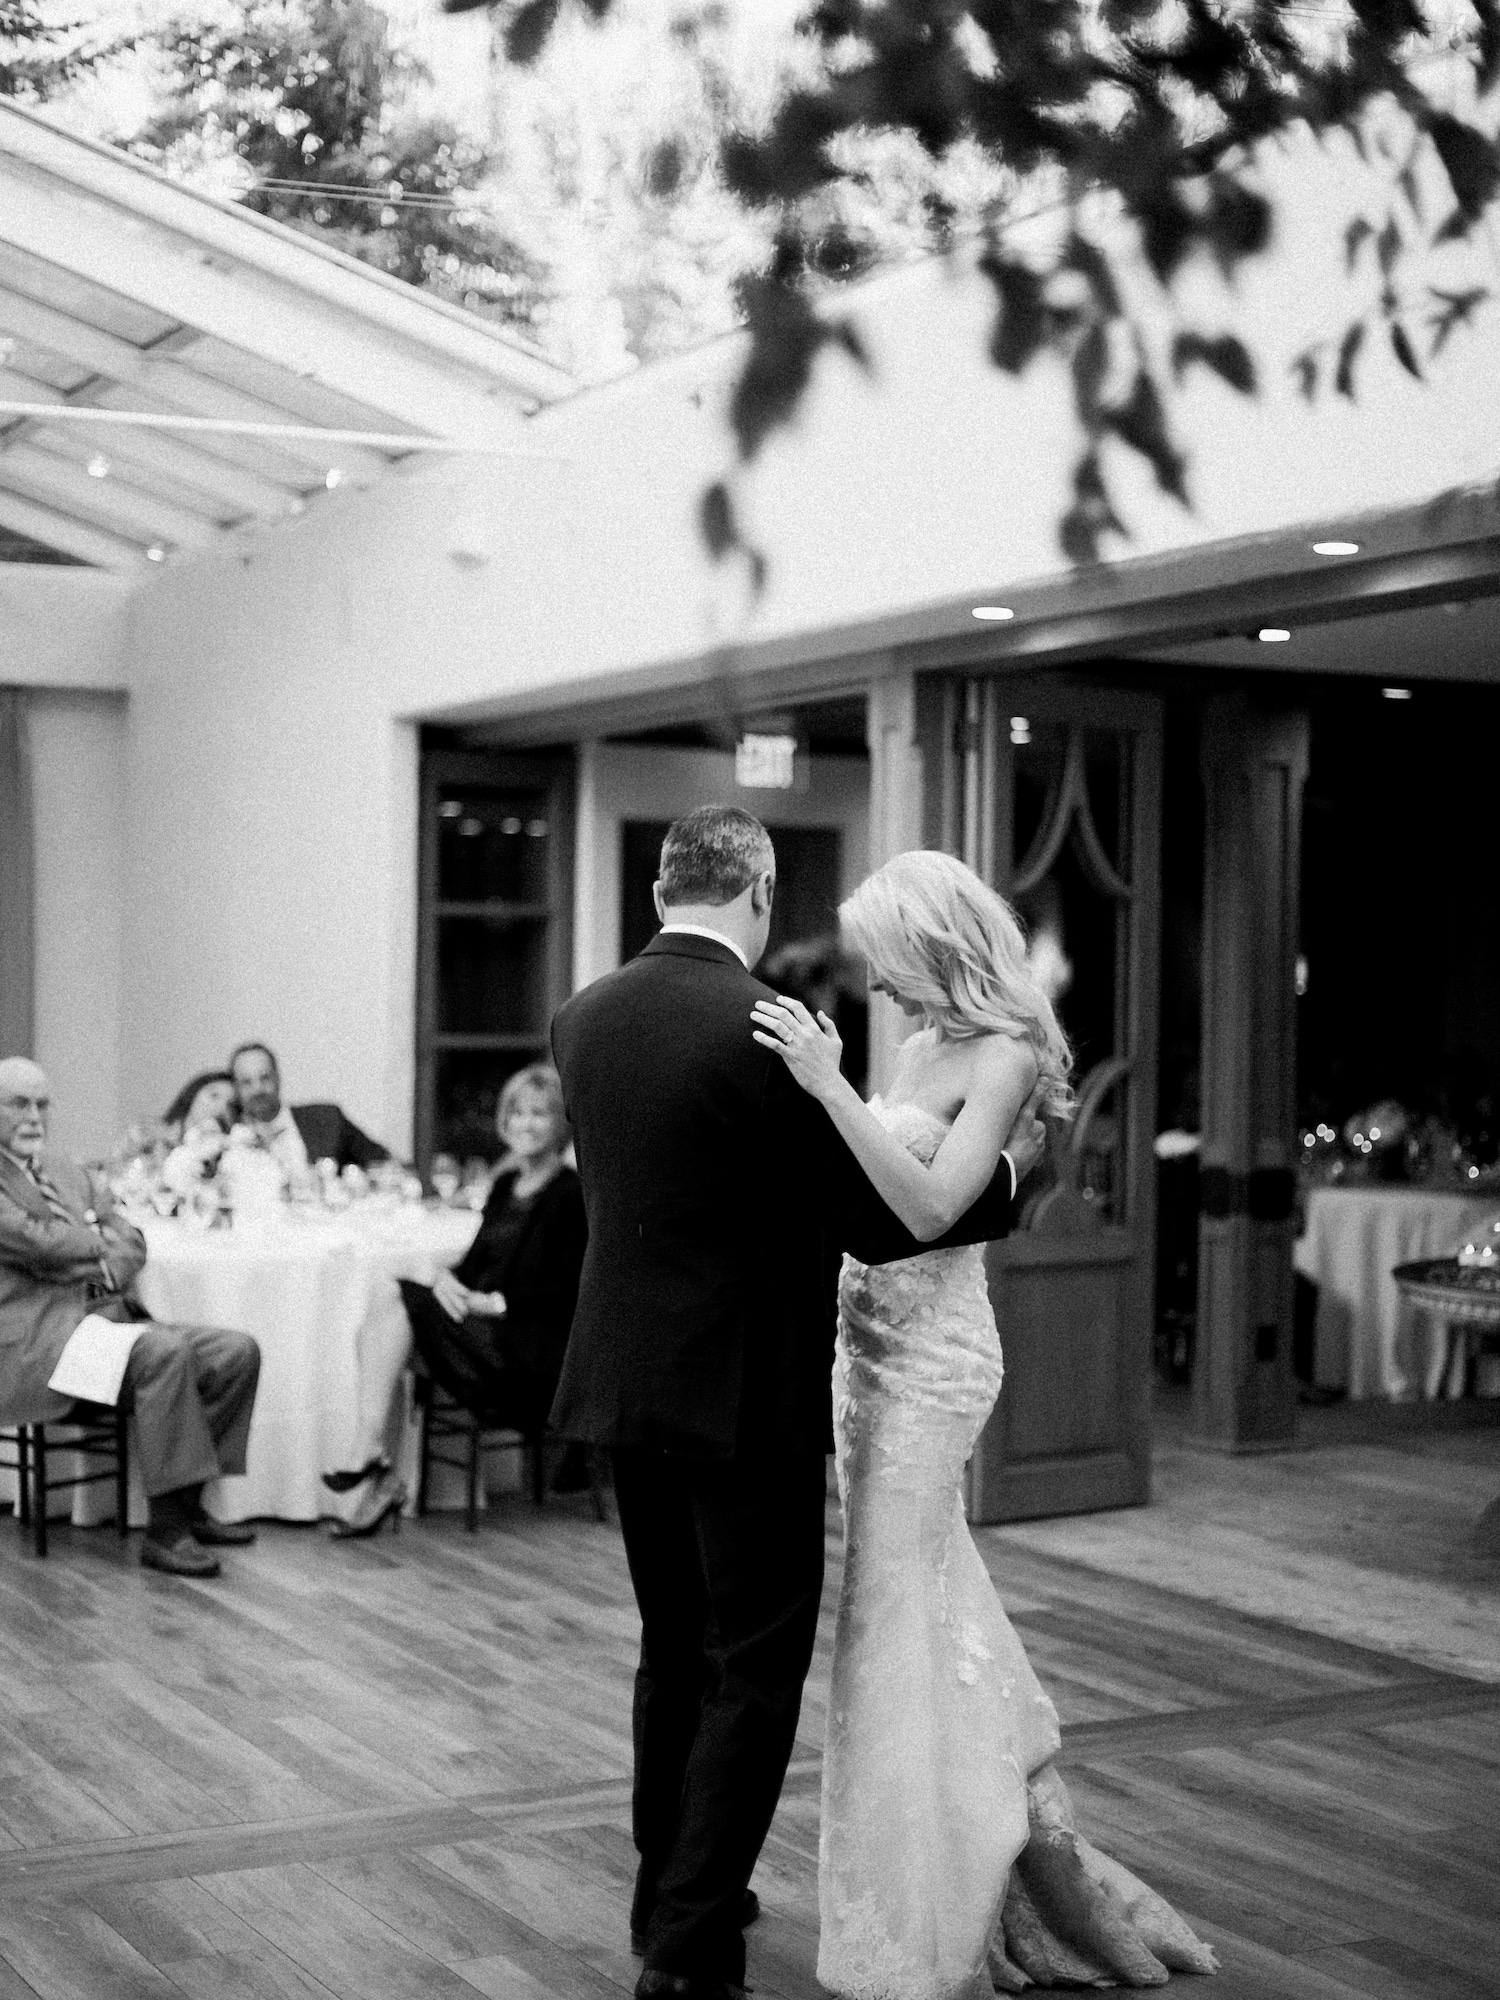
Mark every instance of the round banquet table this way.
pixel 1368 1339
pixel 304 1283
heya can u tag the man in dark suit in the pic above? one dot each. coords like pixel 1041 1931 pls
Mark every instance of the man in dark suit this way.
pixel 718 1198
pixel 297 1134
pixel 66 1252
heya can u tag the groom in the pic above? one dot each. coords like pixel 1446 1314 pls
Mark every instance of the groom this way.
pixel 719 1198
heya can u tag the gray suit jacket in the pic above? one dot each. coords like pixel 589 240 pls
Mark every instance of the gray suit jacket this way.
pixel 50 1277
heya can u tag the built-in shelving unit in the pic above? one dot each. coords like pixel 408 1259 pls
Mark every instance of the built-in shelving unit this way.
pixel 494 934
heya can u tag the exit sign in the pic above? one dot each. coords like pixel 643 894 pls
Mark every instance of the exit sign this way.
pixel 766 763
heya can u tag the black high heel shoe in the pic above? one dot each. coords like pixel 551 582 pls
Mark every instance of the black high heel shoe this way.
pixel 386 1498
pixel 345 1482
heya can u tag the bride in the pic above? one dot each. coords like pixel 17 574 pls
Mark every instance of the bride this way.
pixel 949 1863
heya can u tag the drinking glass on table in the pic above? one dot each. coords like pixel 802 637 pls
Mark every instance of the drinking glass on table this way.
pixel 476 1183
pixel 445 1176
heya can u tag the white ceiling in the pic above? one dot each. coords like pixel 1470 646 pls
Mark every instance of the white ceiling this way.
pixel 1458 640
pixel 121 290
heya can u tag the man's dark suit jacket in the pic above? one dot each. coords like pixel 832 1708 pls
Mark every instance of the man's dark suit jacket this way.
pixel 329 1135
pixel 719 1197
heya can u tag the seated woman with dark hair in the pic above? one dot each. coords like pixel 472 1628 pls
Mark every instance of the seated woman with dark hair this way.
pixel 205 1105
pixel 205 1099
pixel 491 1332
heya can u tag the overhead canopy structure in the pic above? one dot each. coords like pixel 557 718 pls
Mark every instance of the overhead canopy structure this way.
pixel 123 291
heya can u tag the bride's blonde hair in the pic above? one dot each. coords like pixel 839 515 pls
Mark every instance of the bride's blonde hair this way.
pixel 934 933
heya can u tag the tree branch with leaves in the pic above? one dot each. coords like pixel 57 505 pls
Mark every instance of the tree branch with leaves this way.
pixel 1152 113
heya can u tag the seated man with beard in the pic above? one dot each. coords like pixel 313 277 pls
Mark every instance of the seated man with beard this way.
pixel 295 1135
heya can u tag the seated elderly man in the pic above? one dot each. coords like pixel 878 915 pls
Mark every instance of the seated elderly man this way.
pixel 295 1135
pixel 66 1252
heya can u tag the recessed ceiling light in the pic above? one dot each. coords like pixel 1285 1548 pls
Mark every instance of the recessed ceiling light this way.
pixel 993 611
pixel 1273 635
pixel 98 466
pixel 156 553
pixel 333 477
pixel 1396 694
pixel 1335 548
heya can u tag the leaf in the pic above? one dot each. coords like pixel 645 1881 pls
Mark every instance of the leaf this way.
pixel 1238 223
pixel 1404 352
pixel 1227 357
pixel 1078 537
pixel 1388 246
pixel 1090 262
pixel 1090 361
pixel 1092 513
pixel 528 28
pixel 1349 346
pixel 716 520
pixel 1471 160
pixel 1355 236
pixel 664 169
pixel 1305 368
pixel 1022 326
pixel 1455 309
pixel 1141 423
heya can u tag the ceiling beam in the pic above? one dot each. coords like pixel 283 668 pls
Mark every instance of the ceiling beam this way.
pixel 481 363
pixel 224 292
pixel 220 484
pixel 168 383
pixel 68 534
pixel 112 502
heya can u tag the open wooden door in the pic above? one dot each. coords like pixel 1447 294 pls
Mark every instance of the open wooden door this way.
pixel 1053 793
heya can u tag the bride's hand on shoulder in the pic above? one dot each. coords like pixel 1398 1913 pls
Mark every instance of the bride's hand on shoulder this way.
pixel 810 1048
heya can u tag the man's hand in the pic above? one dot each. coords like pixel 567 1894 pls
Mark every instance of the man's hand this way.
pixel 1028 1137
pixel 453 1297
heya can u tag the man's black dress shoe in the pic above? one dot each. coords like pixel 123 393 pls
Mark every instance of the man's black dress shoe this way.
pixel 674 1986
pixel 212 1534
pixel 749 1911
pixel 180 1558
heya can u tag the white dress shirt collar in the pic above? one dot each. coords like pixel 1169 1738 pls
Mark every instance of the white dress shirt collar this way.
pixel 281 1138
pixel 702 930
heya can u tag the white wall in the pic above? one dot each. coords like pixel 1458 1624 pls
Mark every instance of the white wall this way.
pixel 78 786
pixel 623 781
pixel 62 627
pixel 272 843
pixel 272 805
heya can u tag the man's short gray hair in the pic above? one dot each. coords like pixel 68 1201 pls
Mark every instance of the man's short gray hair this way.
pixel 713 855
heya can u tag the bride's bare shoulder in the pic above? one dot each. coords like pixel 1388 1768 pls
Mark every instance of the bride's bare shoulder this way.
pixel 1001 1060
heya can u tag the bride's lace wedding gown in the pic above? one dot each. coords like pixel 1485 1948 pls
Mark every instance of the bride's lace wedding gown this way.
pixel 937 1768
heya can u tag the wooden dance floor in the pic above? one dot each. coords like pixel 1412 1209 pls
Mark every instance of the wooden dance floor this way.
pixel 401 1769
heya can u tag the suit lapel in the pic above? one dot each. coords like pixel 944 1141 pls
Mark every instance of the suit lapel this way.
pixel 24 1191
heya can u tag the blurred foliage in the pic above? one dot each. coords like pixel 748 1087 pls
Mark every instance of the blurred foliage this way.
pixel 39 57
pixel 300 109
pixel 1161 107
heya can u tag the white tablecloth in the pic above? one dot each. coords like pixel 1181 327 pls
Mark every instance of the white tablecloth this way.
pixel 1368 1339
pixel 304 1283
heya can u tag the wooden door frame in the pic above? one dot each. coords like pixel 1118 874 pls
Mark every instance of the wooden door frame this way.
pixel 968 807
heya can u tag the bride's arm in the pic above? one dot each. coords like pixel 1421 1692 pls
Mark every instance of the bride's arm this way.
pixel 928 1199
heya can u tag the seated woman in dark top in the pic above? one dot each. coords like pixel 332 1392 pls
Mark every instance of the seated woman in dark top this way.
pixel 492 1330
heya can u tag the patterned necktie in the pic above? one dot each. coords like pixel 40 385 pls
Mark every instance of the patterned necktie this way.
pixel 47 1189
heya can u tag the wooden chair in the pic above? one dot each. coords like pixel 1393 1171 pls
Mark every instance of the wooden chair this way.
pixel 449 1422
pixel 98 1433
